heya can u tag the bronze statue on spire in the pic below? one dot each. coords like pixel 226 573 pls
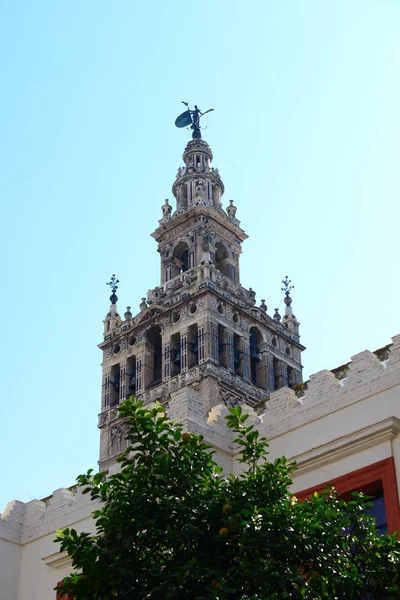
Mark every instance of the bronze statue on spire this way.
pixel 191 118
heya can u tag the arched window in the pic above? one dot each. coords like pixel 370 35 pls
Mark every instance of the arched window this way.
pixel 180 258
pixel 256 356
pixel 153 357
pixel 131 376
pixel 115 381
pixel 193 346
pixel 221 256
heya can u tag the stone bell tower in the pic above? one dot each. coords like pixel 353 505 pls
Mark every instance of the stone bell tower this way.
pixel 199 331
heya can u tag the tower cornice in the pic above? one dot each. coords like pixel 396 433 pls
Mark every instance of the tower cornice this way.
pixel 192 218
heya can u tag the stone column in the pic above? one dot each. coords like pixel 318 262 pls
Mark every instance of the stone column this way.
pixel 184 362
pixel 140 372
pixel 166 357
pixel 246 360
pixel 230 357
pixel 106 389
pixel 122 381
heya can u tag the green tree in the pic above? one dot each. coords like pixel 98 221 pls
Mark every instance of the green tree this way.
pixel 171 526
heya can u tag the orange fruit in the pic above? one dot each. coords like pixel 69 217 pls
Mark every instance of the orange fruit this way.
pixel 227 509
pixel 185 437
pixel 223 532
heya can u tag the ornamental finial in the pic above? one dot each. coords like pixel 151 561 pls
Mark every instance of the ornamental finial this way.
pixel 287 288
pixel 113 283
pixel 191 118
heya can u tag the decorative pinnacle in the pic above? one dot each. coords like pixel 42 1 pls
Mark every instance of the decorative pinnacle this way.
pixel 287 287
pixel 113 283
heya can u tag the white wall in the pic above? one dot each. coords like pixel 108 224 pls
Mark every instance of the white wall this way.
pixel 10 555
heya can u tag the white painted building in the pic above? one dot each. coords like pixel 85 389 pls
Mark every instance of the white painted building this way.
pixel 199 345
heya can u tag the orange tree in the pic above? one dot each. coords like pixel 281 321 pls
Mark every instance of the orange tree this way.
pixel 172 526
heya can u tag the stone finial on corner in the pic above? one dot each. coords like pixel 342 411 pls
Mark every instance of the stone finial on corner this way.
pixel 166 210
pixel 112 320
pixel 231 210
pixel 143 305
pixel 277 316
pixel 128 314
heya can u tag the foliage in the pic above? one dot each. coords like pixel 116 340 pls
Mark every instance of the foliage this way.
pixel 171 526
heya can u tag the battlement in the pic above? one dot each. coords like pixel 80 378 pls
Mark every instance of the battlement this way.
pixel 367 374
pixel 23 522
pixel 287 409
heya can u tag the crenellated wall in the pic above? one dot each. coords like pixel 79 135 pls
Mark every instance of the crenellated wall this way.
pixel 337 422
pixel 324 393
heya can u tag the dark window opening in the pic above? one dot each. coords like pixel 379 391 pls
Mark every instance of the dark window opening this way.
pixel 222 346
pixel 277 374
pixel 193 346
pixel 153 357
pixel 237 355
pixel 115 382
pixel 131 376
pixel 175 350
pixel 378 511
pixel 221 255
pixel 255 355
pixel 180 259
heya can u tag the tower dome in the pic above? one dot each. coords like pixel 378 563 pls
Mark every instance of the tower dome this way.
pixel 197 183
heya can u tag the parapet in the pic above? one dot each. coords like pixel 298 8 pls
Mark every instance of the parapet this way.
pixel 367 374
pixel 23 522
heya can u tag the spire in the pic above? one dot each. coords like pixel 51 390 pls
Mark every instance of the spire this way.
pixel 289 320
pixel 166 210
pixel 113 284
pixel 287 288
pixel 112 320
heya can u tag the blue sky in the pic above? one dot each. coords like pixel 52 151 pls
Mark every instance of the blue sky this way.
pixel 305 134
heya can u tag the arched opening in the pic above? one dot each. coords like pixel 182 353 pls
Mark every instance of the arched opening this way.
pixel 180 259
pixel 221 256
pixel 238 354
pixel 193 346
pixel 175 351
pixel 255 355
pixel 153 357
pixel 222 346
pixel 131 376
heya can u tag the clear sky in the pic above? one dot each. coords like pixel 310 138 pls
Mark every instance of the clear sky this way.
pixel 305 133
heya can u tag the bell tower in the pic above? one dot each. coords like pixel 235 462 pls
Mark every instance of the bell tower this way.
pixel 199 331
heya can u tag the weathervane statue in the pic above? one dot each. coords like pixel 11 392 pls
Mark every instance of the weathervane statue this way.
pixel 191 118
